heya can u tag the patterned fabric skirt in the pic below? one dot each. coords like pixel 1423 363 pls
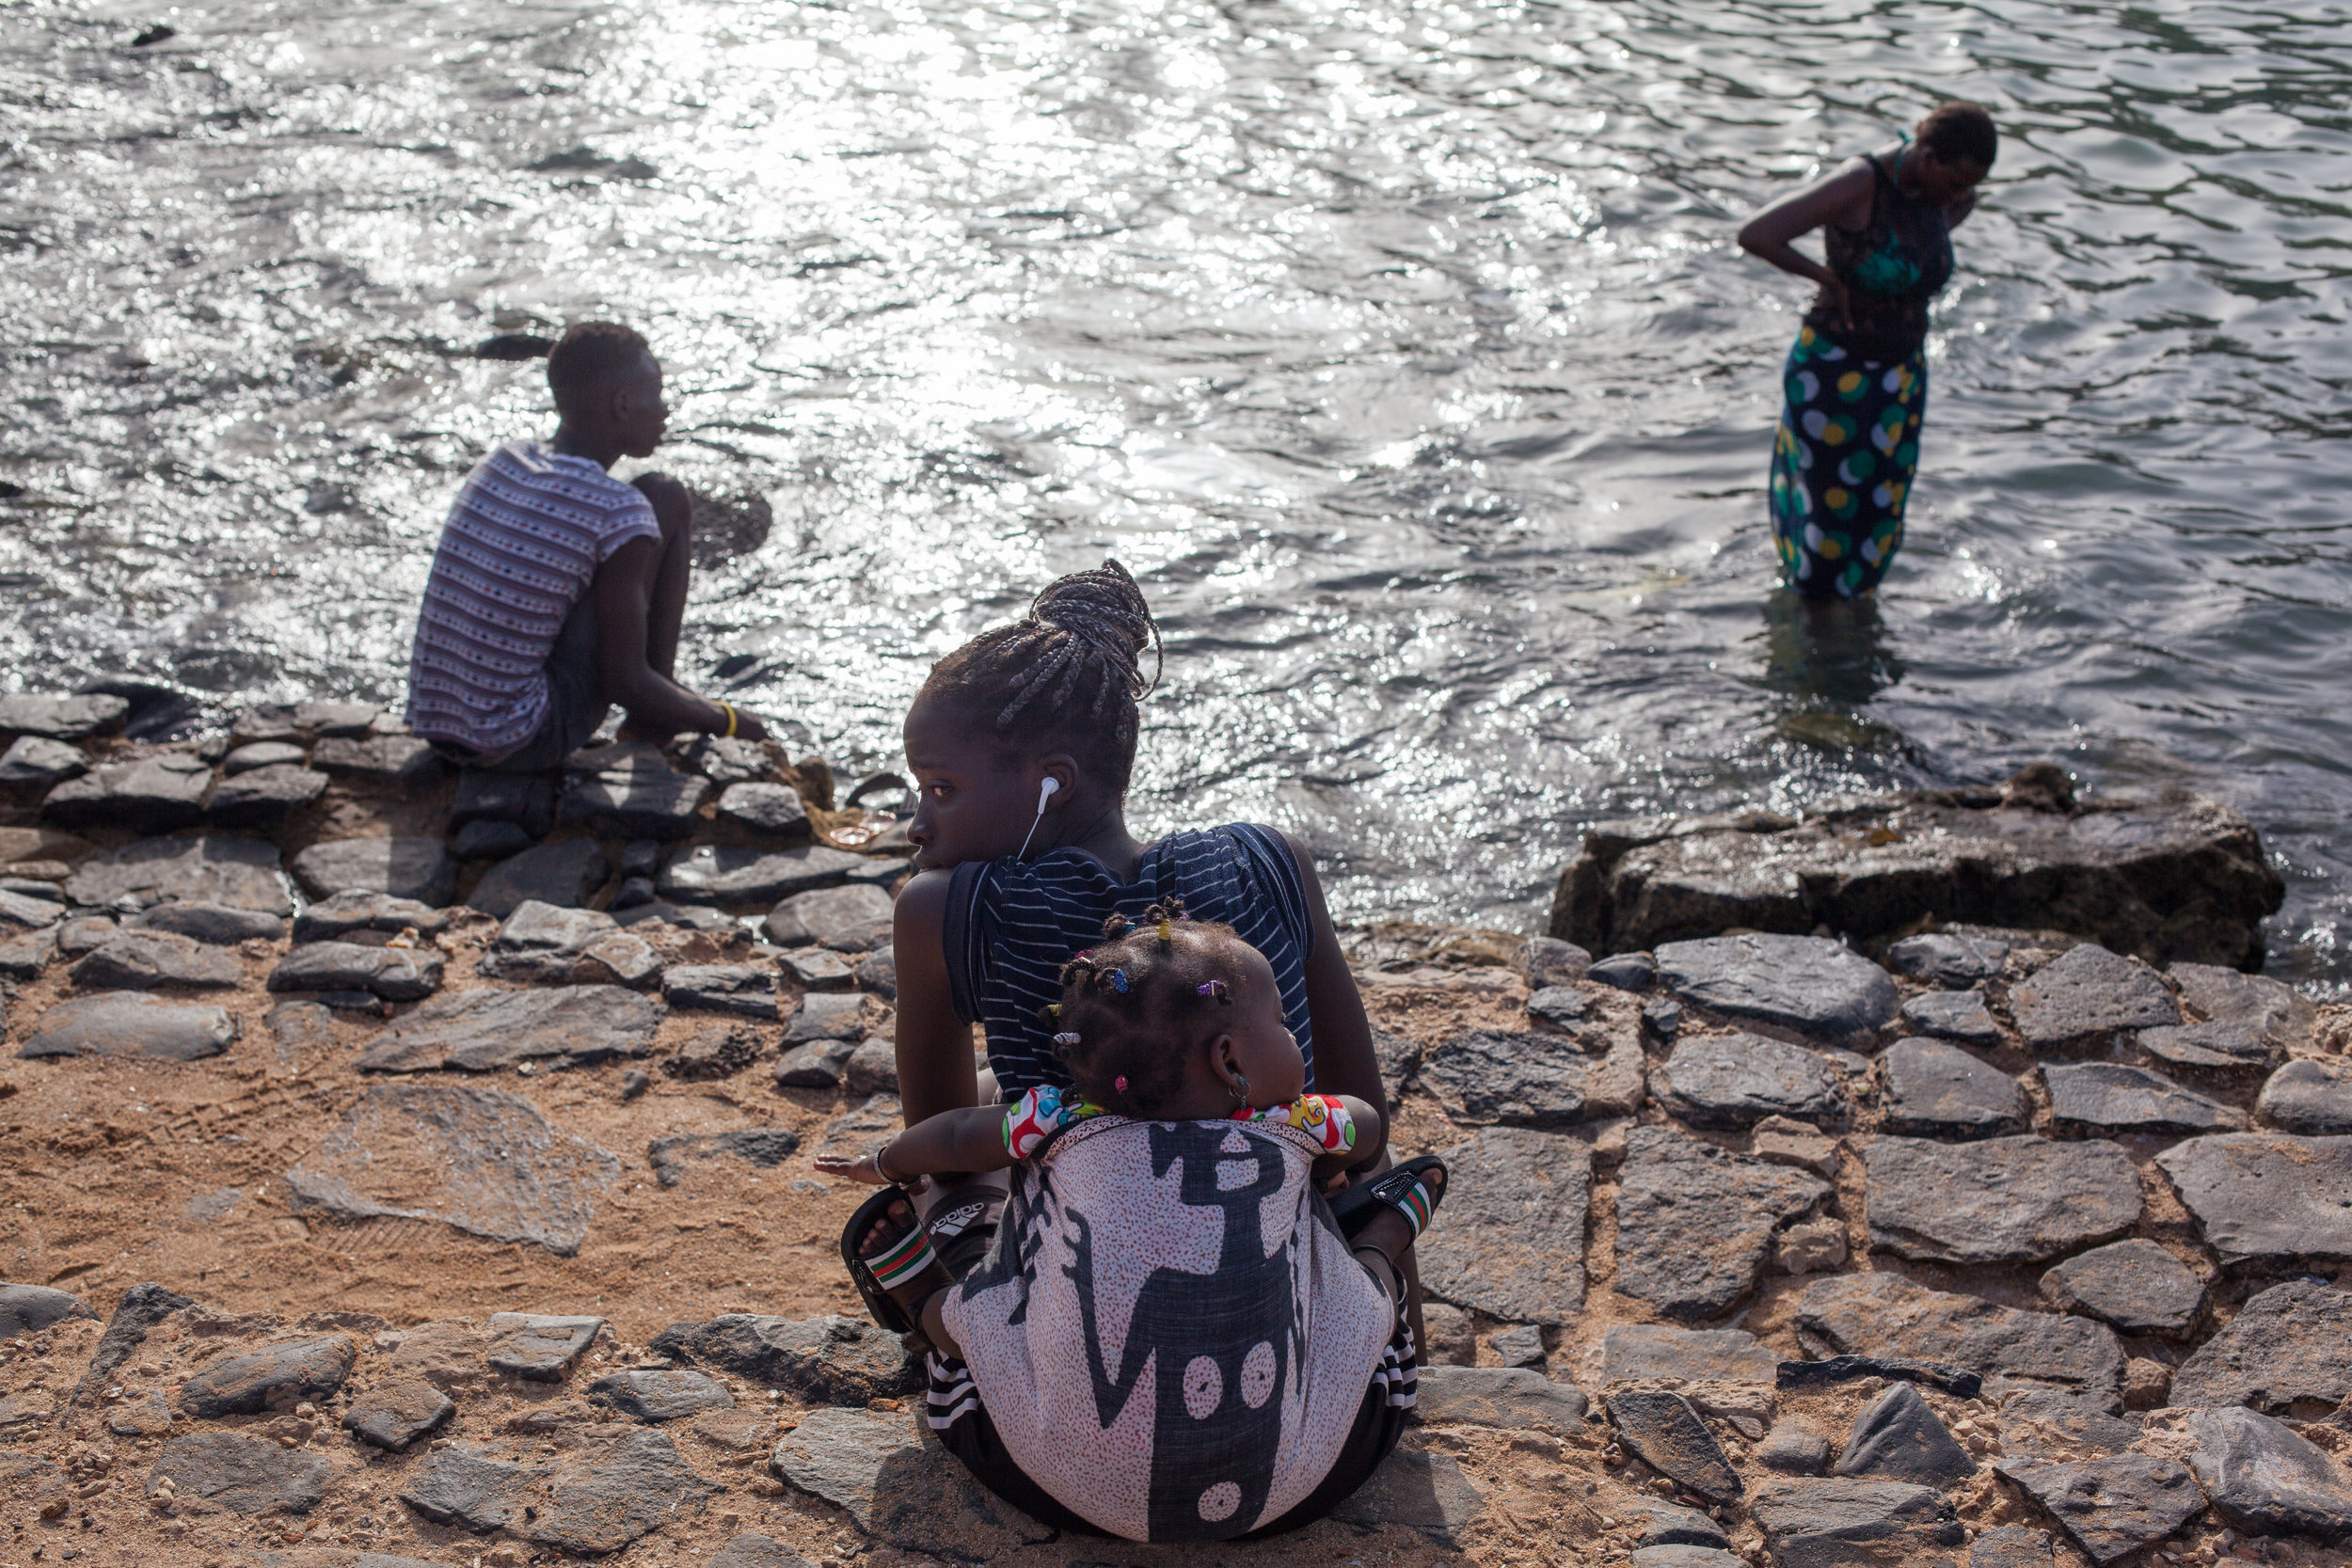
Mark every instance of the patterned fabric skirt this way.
pixel 1842 466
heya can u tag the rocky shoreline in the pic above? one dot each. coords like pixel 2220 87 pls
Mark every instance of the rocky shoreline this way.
pixel 414 1167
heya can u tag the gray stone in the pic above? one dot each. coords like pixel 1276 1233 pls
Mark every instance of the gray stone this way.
pixel 770 809
pixel 1514 1399
pixel 593 1501
pixel 2005 1200
pixel 756 1552
pixel 817 1065
pixel 1734 1081
pixel 815 968
pixel 2228 1050
pixel 2108 1098
pixel 1885 1314
pixel 872 1067
pixel 393 1415
pixel 2283 1353
pixel 142 960
pixel 2133 1284
pixel 685 917
pixel 1793 1450
pixel 139 1311
pixel 2254 1007
pixel 350 915
pixel 1938 1090
pixel 479 1031
pixel 489 841
pixel 35 761
pixel 1521 1079
pixel 828 1360
pixel 1426 1492
pixel 417 868
pixel 1560 1004
pixel 261 754
pixel 274 1377
pixel 1548 962
pixel 1896 1437
pixel 2262 1478
pixel 22 957
pixel 475 1160
pixel 2064 1424
pixel 1842 1521
pixel 1670 1524
pixel 1634 971
pixel 724 761
pixel 825 1016
pixel 85 934
pixel 467 1488
pixel 153 795
pixel 1684 1557
pixel 2087 993
pixel 1952 1015
pixel 2113 1506
pixel 748 990
pixel 29 1308
pixel 1808 984
pixel 852 919
pixel 1632 1353
pixel 394 759
pixel 1806 1375
pixel 1513 1241
pixel 541 944
pixel 61 718
pixel 2267 1197
pixel 2312 1098
pixel 1666 1434
pixel 1953 962
pixel 132 1024
pixel 536 1346
pixel 524 800
pixel 641 804
pixel 714 1054
pixel 215 868
pixel 1661 1016
pixel 873 1465
pixel 714 875
pixel 650 1395
pixel 219 924
pixel 263 798
pixel 2011 1546
pixel 1520 1346
pixel 562 874
pixel 764 1146
pixel 394 973
pixel 641 857
pixel 1696 1223
pixel 303 721
pixel 244 1474
pixel 22 913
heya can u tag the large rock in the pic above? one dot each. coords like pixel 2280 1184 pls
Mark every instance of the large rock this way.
pixel 872 1467
pixel 1842 1523
pixel 1896 1437
pixel 1953 962
pixel 652 1395
pixel 2249 1011
pixel 394 973
pixel 593 1501
pixel 771 809
pixel 142 960
pixel 385 759
pixel 29 1308
pixel 2267 1197
pixel 219 924
pixel 1512 1399
pixel 136 1314
pixel 542 944
pixel 1810 984
pixel 2312 1098
pixel 303 721
pixel 274 1377
pixel 2133 1284
pixel 61 718
pixel 823 1016
pixel 478 1161
pixel 2005 1200
pixel 393 1415
pixel 2112 1507
pixel 32 760
pixel 241 1474
pixel 713 875
pixel 1696 1223
pixel 132 1024
pixel 538 1346
pixel 829 1360
pixel 562 874
pixel 1884 1314
pixel 1520 1080
pixel 640 804
pixel 852 919
pixel 1654 1353
pixel 479 1031
pixel 351 914
pixel 1665 1433
pixel 2283 1351
pixel 153 795
pixel 1952 1015
pixel 2085 995
pixel 2178 877
pixel 2264 1479
pixel 747 990
pixel 215 868
pixel 2106 1099
pixel 1511 1239
pixel 263 797
pixel 1934 1090
pixel 419 868
pixel 1734 1081
pixel 25 911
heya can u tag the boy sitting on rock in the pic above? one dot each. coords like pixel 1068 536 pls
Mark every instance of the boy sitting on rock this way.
pixel 558 590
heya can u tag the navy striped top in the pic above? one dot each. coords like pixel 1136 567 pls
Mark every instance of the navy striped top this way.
pixel 1012 924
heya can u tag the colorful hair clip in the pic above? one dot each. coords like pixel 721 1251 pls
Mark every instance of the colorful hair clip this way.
pixel 1120 1085
pixel 1167 931
pixel 1066 1039
pixel 1118 981
pixel 1215 988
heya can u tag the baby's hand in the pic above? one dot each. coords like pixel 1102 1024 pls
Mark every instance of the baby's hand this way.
pixel 857 1168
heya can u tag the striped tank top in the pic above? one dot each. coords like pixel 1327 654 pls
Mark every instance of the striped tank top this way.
pixel 1012 924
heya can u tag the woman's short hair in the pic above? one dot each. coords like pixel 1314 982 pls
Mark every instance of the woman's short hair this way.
pixel 1961 133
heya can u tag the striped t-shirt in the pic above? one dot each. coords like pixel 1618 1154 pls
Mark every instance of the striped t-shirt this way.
pixel 526 534
pixel 1012 924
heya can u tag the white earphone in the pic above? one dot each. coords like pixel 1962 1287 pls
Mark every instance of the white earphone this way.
pixel 1046 790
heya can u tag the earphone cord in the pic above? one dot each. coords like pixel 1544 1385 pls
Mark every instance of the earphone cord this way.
pixel 1032 833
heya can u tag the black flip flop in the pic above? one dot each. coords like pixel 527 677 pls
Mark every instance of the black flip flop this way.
pixel 879 1305
pixel 1401 1189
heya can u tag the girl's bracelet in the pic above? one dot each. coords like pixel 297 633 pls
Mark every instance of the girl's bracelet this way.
pixel 728 708
pixel 883 1171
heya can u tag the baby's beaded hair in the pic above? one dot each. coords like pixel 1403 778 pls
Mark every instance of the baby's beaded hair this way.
pixel 1132 1007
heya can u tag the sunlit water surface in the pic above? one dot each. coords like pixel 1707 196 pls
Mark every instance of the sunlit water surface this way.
pixel 1400 347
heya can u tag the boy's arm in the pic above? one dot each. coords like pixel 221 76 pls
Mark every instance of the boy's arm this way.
pixel 934 1046
pixel 1345 1061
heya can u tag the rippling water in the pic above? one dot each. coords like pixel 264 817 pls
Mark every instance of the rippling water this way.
pixel 1401 347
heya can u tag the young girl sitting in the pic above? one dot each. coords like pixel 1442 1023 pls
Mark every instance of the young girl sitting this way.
pixel 1165 1214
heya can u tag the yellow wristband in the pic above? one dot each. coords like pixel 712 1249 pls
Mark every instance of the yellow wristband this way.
pixel 728 708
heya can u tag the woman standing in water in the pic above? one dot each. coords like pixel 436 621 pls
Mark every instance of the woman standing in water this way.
pixel 1857 380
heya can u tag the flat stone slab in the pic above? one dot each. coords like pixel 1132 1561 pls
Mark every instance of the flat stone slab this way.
pixel 23 956
pixel 854 918
pixel 2312 1098
pixel 1952 1015
pixel 29 1308
pixel 1666 1434
pixel 815 968
pixel 351 914
pixel 263 797
pixel 1884 1314
pixel 480 1031
pixel 1483 1077
pixel 394 973
pixel 263 754
pixel 274 1377
pixel 32 760
pixel 2284 1351
pixel 525 801
pixel 2113 1506
pixel 724 761
pixel 871 1465
pixel 393 1415
pixel 132 1024
pixel 2103 1098
pixel 717 874
pixel 396 759
pixel 1810 984
pixel 1840 1522
pixel 2133 1283
pixel 764 1148
pixel 542 944
pixel 1896 1437
pixel 648 1395
pixel 244 1474
pixel 23 912
pixel 1791 1449
pixel 641 803
pixel 221 925
pixel 1934 1090
pixel 2267 1197
pixel 826 1016
pixel 2269 1010
pixel 143 960
pixel 2087 993
pixel 537 1346
pixel 1735 1081
pixel 61 718
pixel 303 721
pixel 419 868
pixel 1672 1525
pixel 2263 1479
pixel 771 809
pixel 1424 1492
pixel 475 1160
pixel 1632 1353
pixel 1952 962
pixel 749 1550
pixel 153 795
pixel 1511 1399
pixel 213 869
pixel 1696 1223
pixel 2005 1200
pixel 2011 1546
pixel 593 1501
pixel 561 874
pixel 1512 1243
pixel 747 990
pixel 832 1360
pixel 2064 1424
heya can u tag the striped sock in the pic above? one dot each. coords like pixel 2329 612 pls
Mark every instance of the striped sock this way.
pixel 903 1260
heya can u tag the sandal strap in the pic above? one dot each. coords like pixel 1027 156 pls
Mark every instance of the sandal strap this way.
pixel 1413 1201
pixel 903 1260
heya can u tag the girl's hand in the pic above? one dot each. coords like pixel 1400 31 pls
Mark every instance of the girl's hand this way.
pixel 1834 294
pixel 864 1167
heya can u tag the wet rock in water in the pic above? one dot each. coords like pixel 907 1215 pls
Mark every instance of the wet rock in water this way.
pixel 1634 971
pixel 393 1415
pixel 562 874
pixel 1896 1437
pixel 1424 1491
pixel 1513 1242
pixel 1632 1353
pixel 1520 1080
pixel 748 990
pixel 2312 1098
pixel 1884 1314
pixel 1952 962
pixel 153 795
pixel 525 801
pixel 826 1016
pixel 641 804
pixel 852 919
pixel 1560 1004
pixel 770 809
pixel 2098 1099
pixel 1810 984
pixel 1695 1221
pixel 32 760
pixel 715 875
pixel 419 868
pixel 350 915
pixel 2133 1284
pixel 815 968
pixel 221 925
pixel 1934 1090
pixel 29 1308
pixel 22 957
pixel 2087 993
pixel 1663 1431
pixel 481 1030
pixel 1952 1015
pixel 2019 1199
pixel 2261 1477
pixel 2113 1506
pixel 2011 1546
pixel 1512 1399
pixel 489 841
pixel 871 1465
pixel 872 1067
pixel 2284 1350
pixel 392 760
pixel 261 754
pixel 536 1346
pixel 540 943
pixel 244 1474
pixel 132 1024
pixel 2267 1197
pixel 141 960
pixel 1543 961
pixel 1793 1450
pixel 1844 1521
pixel 476 1160
pixel 274 1377
pixel 394 973
pixel 61 718
pixel 828 1360
pixel 653 1396
pixel 1735 1081
pixel 764 1146
pixel 817 1065
pixel 264 797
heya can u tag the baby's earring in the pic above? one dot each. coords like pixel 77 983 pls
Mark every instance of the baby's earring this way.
pixel 1240 1085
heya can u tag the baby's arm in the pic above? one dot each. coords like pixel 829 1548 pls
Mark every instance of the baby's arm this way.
pixel 972 1139
pixel 1367 1146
